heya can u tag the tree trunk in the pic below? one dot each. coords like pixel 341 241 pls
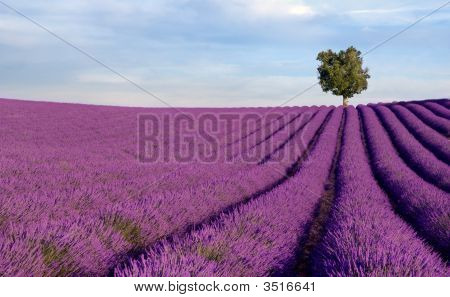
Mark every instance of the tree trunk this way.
pixel 345 102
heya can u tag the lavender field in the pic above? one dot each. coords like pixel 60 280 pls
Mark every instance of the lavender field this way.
pixel 302 191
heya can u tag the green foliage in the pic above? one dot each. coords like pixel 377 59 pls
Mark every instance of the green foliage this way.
pixel 57 259
pixel 130 231
pixel 212 253
pixel 3 220
pixel 342 73
pixel 51 253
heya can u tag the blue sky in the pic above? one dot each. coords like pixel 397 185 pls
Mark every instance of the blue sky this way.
pixel 218 53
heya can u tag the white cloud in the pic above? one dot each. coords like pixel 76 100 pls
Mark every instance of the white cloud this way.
pixel 380 10
pixel 301 10
pixel 401 15
pixel 278 8
pixel 269 8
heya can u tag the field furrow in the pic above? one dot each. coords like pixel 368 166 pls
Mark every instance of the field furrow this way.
pixel 283 168
pixel 275 117
pixel 300 136
pixel 438 109
pixel 254 150
pixel 364 236
pixel 438 123
pixel 258 238
pixel 437 143
pixel 425 206
pixel 444 102
pixel 266 125
pixel 422 161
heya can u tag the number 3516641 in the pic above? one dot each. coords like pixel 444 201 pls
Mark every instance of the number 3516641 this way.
pixel 288 286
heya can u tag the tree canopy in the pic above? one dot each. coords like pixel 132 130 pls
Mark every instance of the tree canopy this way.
pixel 342 73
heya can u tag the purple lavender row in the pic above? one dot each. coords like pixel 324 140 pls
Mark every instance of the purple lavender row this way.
pixel 275 119
pixel 130 221
pixel 257 147
pixel 123 224
pixel 422 161
pixel 422 204
pixel 437 109
pixel 364 236
pixel 57 176
pixel 106 228
pixel 96 147
pixel 95 214
pixel 277 136
pixel 257 239
pixel 67 117
pixel 228 170
pixel 282 136
pixel 299 139
pixel 444 102
pixel 213 196
pixel 430 138
pixel 439 124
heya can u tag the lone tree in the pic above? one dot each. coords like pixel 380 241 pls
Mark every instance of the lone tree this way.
pixel 342 73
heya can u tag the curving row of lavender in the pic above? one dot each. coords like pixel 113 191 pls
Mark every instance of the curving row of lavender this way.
pixel 75 201
pixel 265 144
pixel 444 102
pixel 435 142
pixel 438 109
pixel 134 217
pixel 413 153
pixel 364 236
pixel 421 203
pixel 257 239
pixel 298 140
pixel 440 124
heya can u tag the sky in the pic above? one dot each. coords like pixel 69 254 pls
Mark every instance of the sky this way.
pixel 213 53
